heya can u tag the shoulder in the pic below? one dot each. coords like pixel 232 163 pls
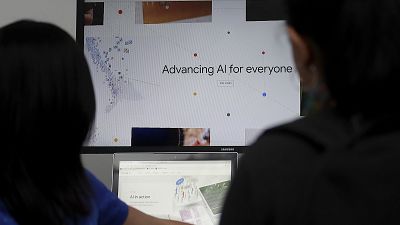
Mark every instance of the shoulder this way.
pixel 273 172
pixel 314 132
pixel 295 146
pixel 100 192
pixel 109 208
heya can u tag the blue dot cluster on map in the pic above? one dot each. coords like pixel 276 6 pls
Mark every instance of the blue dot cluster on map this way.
pixel 105 60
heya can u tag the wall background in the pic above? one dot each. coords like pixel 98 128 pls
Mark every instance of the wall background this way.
pixel 59 12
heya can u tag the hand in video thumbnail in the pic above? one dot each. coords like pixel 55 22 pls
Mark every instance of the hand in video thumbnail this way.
pixel 170 136
pixel 89 17
pixel 196 137
pixel 94 13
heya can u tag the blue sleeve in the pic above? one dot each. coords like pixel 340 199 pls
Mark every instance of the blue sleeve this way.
pixel 5 217
pixel 110 209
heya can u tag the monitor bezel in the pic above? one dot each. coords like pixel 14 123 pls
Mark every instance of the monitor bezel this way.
pixel 170 156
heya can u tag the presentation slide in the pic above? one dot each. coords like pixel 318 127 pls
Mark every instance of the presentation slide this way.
pixel 200 72
pixel 190 191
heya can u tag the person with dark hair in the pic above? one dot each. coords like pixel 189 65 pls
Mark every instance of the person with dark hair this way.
pixel 339 165
pixel 47 106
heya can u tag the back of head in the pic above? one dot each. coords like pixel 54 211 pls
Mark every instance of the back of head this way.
pixel 46 108
pixel 359 45
pixel 46 96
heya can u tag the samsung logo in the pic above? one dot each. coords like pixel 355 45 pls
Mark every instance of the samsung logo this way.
pixel 227 149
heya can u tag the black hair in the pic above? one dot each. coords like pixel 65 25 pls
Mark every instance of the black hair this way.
pixel 47 107
pixel 359 44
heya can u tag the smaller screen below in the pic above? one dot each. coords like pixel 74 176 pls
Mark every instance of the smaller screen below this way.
pixel 189 191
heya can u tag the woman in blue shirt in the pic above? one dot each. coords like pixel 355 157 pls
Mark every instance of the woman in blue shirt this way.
pixel 47 106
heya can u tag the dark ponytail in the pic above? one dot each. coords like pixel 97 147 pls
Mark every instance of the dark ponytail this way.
pixel 46 108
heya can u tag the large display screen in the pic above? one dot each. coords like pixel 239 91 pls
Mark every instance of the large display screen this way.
pixel 187 73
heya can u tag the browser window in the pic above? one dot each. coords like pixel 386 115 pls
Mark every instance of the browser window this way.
pixel 190 191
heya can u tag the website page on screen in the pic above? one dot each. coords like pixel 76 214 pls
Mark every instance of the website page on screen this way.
pixel 190 191
pixel 189 73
